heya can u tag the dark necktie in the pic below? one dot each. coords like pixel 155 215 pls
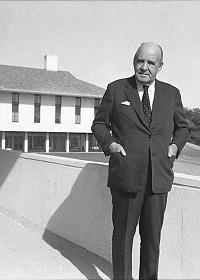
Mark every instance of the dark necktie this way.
pixel 146 105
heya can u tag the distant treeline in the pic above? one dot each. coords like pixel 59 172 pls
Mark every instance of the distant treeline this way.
pixel 193 118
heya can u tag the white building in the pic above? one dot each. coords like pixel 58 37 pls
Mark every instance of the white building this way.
pixel 46 110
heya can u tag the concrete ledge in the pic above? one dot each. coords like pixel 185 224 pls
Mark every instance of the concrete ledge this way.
pixel 179 178
pixel 193 146
pixel 68 197
pixel 186 180
pixel 54 159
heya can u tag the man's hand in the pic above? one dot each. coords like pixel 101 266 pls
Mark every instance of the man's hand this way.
pixel 117 148
pixel 172 150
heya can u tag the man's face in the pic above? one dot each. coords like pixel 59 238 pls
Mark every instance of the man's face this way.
pixel 147 63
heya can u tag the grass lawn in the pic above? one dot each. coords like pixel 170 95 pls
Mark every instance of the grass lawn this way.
pixel 190 153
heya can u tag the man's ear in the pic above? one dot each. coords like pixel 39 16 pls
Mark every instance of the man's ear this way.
pixel 160 67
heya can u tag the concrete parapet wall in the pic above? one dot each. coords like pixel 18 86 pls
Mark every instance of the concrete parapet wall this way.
pixel 68 197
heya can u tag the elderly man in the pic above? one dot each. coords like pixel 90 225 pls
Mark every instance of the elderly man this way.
pixel 141 125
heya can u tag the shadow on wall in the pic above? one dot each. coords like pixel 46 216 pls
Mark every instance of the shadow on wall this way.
pixel 7 161
pixel 83 218
pixel 85 261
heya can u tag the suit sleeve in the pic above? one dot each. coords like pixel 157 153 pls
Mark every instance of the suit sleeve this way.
pixel 181 129
pixel 101 126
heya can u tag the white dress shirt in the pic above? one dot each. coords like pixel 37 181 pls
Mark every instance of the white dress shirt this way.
pixel 151 92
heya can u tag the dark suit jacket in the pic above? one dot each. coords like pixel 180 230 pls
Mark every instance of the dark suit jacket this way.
pixel 126 125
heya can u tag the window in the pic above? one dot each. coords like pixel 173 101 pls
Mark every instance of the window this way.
pixel 14 141
pixel 15 107
pixel 93 144
pixel 77 110
pixel 37 104
pixel 77 142
pixel 36 141
pixel 57 142
pixel 58 109
pixel 96 105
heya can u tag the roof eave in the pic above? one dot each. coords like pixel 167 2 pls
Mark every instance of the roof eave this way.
pixel 52 93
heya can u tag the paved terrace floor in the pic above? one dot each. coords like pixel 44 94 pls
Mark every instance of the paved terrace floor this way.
pixel 25 256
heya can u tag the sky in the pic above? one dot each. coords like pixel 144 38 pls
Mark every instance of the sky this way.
pixel 96 40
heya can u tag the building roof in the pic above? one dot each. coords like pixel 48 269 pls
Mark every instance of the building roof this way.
pixel 33 80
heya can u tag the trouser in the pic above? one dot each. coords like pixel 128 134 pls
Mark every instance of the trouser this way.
pixel 148 208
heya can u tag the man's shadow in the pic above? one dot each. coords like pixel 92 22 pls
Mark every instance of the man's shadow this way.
pixel 85 261
pixel 84 218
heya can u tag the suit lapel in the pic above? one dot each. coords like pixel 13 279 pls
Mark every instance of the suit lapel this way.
pixel 133 96
pixel 158 102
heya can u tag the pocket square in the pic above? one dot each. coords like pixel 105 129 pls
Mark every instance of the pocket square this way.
pixel 125 103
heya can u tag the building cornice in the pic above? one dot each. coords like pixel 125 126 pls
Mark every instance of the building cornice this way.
pixel 70 94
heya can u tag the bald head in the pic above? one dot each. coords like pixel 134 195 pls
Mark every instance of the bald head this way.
pixel 148 61
pixel 151 46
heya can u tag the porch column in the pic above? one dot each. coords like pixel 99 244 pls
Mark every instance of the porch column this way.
pixel 47 142
pixel 3 140
pixel 86 143
pixel 67 144
pixel 12 142
pixel 26 142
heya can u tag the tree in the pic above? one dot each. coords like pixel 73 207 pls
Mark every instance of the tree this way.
pixel 193 119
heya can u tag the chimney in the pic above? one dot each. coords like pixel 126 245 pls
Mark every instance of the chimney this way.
pixel 50 62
